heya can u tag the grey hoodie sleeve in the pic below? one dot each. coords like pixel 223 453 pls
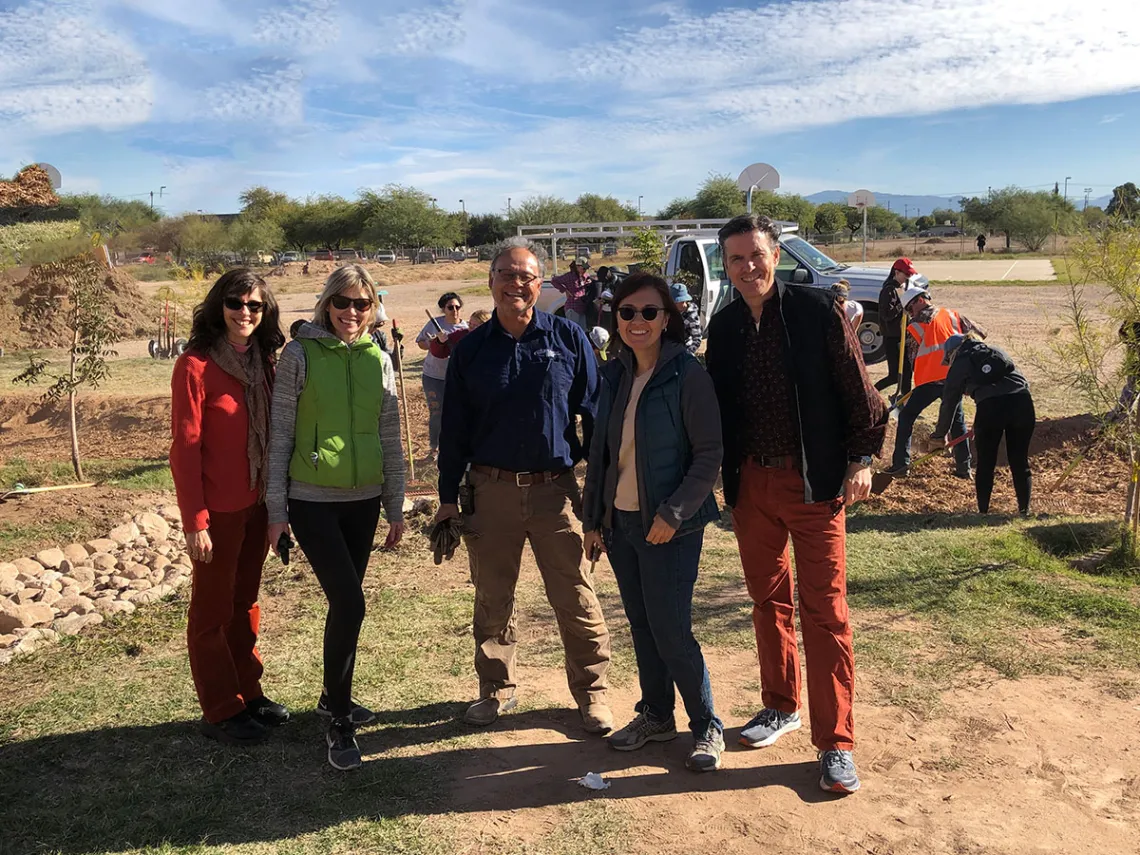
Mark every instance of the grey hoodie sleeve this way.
pixel 287 387
pixel 392 491
pixel 701 414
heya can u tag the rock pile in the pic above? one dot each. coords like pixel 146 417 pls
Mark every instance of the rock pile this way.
pixel 62 591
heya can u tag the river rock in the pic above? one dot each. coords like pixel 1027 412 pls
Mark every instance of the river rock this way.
pixel 121 606
pixel 153 526
pixel 84 578
pixel 36 614
pixel 120 582
pixel 27 567
pixel 25 595
pixel 8 570
pixel 135 571
pixel 101 544
pixel 158 562
pixel 103 561
pixel 124 534
pixel 48 597
pixel 75 604
pixel 51 558
pixel 140 585
pixel 75 553
pixel 8 640
pixel 10 617
pixel 9 586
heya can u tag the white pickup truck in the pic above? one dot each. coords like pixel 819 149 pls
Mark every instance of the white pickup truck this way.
pixel 800 263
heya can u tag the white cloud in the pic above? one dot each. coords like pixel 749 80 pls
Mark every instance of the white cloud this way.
pixel 1109 119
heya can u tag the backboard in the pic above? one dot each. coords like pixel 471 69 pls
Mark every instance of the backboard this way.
pixel 53 174
pixel 861 199
pixel 762 176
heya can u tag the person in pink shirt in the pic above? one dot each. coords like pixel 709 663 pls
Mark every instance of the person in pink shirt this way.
pixel 575 285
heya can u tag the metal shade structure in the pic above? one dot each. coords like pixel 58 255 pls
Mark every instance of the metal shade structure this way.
pixel 53 175
pixel 758 176
pixel 862 199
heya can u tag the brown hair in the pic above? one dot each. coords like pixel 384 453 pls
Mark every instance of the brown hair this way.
pixel 674 326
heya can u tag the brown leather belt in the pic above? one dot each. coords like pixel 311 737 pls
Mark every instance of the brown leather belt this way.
pixel 520 479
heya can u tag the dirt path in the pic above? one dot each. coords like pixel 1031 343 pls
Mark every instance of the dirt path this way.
pixel 1007 767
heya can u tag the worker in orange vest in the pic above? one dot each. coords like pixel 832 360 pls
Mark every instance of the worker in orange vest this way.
pixel 928 328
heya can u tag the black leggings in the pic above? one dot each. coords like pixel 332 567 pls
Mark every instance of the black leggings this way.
pixel 1014 416
pixel 891 345
pixel 337 539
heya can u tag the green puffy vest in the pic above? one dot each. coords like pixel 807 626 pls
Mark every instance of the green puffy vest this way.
pixel 338 415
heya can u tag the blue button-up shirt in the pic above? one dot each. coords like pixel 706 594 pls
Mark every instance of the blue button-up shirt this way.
pixel 512 403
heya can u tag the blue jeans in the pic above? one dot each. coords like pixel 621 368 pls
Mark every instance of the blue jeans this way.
pixel 433 392
pixel 656 584
pixel 921 398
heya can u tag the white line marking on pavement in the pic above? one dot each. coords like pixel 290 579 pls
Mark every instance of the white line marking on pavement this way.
pixel 1008 271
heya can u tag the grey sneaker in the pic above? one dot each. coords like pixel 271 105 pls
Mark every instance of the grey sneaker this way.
pixel 767 726
pixel 486 711
pixel 641 730
pixel 344 753
pixel 837 772
pixel 705 756
pixel 360 715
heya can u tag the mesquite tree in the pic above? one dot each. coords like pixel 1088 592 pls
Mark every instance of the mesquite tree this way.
pixel 74 291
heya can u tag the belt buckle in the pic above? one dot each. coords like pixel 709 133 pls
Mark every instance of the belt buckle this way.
pixel 518 479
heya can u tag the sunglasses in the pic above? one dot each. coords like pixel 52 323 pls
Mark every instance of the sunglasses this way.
pixel 525 279
pixel 452 307
pixel 628 313
pixel 236 304
pixel 341 302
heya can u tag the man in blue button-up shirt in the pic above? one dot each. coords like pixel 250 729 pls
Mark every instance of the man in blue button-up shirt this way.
pixel 515 389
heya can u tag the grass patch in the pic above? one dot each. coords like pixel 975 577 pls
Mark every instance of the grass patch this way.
pixel 143 475
pixel 22 539
pixel 133 376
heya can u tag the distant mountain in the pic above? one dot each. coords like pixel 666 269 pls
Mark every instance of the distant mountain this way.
pixel 908 205
pixel 904 205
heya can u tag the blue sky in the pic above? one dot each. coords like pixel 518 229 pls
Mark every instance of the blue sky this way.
pixel 483 100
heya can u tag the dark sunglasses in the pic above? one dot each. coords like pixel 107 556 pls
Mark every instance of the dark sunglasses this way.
pixel 341 302
pixel 235 304
pixel 452 307
pixel 628 313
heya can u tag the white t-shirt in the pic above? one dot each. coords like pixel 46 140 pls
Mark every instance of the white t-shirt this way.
pixel 854 312
pixel 434 366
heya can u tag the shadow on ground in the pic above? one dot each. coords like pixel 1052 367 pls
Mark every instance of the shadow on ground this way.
pixel 146 786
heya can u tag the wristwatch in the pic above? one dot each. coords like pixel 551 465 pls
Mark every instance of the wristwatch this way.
pixel 864 460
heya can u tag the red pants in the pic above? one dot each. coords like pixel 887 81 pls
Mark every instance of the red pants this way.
pixel 221 629
pixel 769 508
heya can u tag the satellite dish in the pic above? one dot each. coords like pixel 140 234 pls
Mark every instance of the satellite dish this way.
pixel 761 176
pixel 53 175
pixel 861 199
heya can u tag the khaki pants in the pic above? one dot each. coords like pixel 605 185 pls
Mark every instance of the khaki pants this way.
pixel 505 517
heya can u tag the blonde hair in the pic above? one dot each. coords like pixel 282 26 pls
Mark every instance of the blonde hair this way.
pixel 479 316
pixel 340 280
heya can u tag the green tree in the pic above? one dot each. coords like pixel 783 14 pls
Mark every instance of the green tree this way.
pixel 924 222
pixel 75 291
pixel 604 209
pixel 677 209
pixel 1094 217
pixel 1125 201
pixel 545 210
pixel 830 218
pixel 109 216
pixel 202 238
pixel 649 250
pixel 250 236
pixel 944 216
pixel 406 217
pixel 261 203
pixel 485 229
pixel 853 220
pixel 328 221
pixel 718 197
pixel 882 220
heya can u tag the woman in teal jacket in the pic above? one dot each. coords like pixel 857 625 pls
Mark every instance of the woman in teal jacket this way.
pixel 334 458
pixel 655 455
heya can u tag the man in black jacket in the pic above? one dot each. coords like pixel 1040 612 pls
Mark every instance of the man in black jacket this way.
pixel 801 422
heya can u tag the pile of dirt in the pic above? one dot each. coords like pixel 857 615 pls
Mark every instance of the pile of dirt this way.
pixel 135 314
pixel 31 188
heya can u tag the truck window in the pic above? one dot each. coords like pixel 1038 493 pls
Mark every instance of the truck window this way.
pixel 715 261
pixel 690 261
pixel 786 267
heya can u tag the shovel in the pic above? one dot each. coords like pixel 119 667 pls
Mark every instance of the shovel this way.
pixel 881 480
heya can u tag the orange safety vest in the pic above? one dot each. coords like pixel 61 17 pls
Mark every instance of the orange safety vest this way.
pixel 928 367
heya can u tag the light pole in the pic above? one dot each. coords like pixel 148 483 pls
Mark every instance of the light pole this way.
pixel 1068 178
pixel 463 205
pixel 639 198
pixel 433 201
pixel 1088 191
pixel 508 207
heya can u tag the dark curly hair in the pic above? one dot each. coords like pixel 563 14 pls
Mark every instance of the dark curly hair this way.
pixel 209 325
pixel 447 298
pixel 674 325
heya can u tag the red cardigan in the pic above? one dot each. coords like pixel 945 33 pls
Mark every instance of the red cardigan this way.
pixel 208 457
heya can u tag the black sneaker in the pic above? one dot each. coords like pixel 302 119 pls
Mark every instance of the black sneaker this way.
pixel 358 714
pixel 266 712
pixel 344 753
pixel 240 729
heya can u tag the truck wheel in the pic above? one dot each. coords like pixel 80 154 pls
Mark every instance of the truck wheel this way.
pixel 179 347
pixel 871 338
pixel 152 349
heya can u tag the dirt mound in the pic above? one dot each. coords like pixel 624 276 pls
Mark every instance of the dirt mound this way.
pixel 934 240
pixel 31 188
pixel 136 314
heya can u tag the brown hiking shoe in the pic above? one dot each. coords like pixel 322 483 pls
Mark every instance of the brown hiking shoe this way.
pixel 596 717
pixel 486 711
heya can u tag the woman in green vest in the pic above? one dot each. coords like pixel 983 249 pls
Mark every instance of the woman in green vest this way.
pixel 334 459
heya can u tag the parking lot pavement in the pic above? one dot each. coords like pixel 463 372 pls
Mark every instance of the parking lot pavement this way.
pixel 998 269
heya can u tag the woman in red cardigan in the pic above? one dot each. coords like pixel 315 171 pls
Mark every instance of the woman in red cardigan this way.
pixel 220 392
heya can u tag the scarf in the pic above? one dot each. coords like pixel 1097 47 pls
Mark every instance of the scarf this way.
pixel 249 370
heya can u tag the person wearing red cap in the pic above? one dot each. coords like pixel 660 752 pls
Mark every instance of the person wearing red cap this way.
pixel 891 323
